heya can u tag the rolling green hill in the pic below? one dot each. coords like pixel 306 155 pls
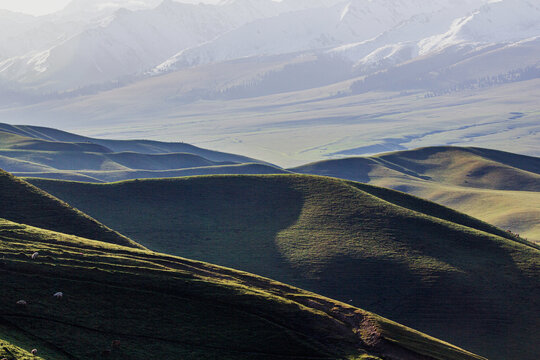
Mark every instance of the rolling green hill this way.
pixel 36 152
pixel 125 303
pixel 496 186
pixel 138 146
pixel 76 156
pixel 22 202
pixel 419 263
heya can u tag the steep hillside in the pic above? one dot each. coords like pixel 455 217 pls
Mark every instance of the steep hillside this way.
pixel 123 303
pixel 499 187
pixel 408 259
pixel 23 202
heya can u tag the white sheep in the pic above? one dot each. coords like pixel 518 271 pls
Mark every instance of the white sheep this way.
pixel 22 302
pixel 34 255
pixel 33 352
pixel 58 295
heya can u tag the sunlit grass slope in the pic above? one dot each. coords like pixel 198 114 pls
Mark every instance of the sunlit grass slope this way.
pixel 23 202
pixel 10 351
pixel 410 260
pixel 124 303
pixel 496 186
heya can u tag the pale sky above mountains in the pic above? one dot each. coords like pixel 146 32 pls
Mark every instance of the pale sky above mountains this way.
pixel 43 7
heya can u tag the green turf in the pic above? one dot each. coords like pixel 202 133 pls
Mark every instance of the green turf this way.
pixel 399 256
pixel 23 202
pixel 163 307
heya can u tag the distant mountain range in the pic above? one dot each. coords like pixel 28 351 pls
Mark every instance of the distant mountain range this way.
pixel 99 45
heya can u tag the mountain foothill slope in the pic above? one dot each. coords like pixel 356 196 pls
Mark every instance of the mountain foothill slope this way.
pixel 411 260
pixel 499 187
pixel 121 302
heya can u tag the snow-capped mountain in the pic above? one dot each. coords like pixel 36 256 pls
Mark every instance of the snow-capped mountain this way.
pixel 370 24
pixel 125 43
pixel 99 42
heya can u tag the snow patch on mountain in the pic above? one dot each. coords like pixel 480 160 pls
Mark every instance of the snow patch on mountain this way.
pixel 501 21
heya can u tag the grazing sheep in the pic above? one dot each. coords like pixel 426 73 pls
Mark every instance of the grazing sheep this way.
pixel 34 255
pixel 33 352
pixel 58 295
pixel 22 303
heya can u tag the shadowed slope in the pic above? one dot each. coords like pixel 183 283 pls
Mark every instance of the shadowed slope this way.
pixel 124 303
pixel 408 259
pixel 22 202
pixel 496 186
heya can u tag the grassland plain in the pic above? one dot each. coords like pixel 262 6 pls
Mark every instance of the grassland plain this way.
pixel 408 259
pixel 496 186
pixel 125 303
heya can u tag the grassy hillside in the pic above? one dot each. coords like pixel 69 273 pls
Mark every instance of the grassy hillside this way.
pixel 17 142
pixel 138 146
pixel 22 202
pixel 38 154
pixel 82 156
pixel 498 187
pixel 407 259
pixel 124 303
